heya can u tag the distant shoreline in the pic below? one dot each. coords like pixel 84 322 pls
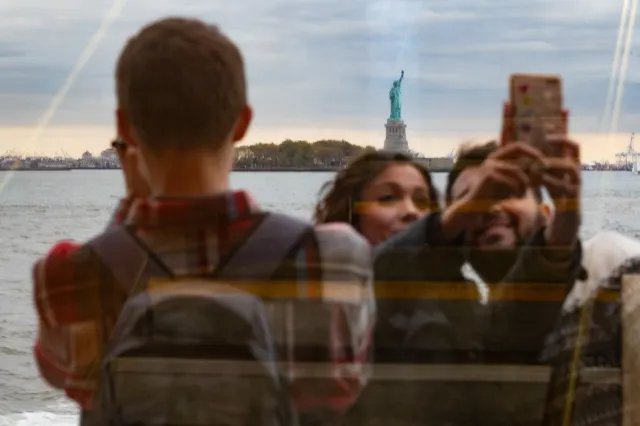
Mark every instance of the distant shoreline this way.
pixel 267 169
pixel 262 170
pixel 239 170
pixel 53 169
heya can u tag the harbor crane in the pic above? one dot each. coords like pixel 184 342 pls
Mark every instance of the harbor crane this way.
pixel 628 157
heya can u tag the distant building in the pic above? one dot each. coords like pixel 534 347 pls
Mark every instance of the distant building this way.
pixel 109 158
pixel 109 154
pixel 87 160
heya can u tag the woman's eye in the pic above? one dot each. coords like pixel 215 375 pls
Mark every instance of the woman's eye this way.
pixel 387 198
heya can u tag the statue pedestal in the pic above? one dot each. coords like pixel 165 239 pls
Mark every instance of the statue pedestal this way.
pixel 396 139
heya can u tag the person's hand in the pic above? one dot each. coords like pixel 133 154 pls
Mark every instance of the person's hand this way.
pixel 563 179
pixel 136 185
pixel 499 177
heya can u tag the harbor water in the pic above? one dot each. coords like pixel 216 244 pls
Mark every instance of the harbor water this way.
pixel 39 208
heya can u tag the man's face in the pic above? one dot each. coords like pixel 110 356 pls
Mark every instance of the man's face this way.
pixel 507 224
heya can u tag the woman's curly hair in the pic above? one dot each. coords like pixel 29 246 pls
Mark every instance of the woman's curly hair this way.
pixel 338 197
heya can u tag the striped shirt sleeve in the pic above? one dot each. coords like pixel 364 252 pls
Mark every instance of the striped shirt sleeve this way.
pixel 346 289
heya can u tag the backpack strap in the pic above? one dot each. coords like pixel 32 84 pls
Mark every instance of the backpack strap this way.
pixel 126 257
pixel 264 251
pixel 258 257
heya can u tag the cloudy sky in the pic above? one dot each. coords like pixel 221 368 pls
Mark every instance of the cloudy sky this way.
pixel 323 68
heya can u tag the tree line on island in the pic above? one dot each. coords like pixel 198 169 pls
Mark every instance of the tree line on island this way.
pixel 322 154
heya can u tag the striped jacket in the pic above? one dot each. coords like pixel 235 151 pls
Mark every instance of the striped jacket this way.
pixel 190 236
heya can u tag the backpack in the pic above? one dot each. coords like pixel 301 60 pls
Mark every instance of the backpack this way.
pixel 192 350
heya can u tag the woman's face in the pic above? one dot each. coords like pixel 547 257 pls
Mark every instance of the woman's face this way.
pixel 393 200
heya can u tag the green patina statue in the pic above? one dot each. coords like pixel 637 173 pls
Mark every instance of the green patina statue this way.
pixel 395 96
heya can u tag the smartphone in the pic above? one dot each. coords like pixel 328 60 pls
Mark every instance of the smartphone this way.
pixel 537 108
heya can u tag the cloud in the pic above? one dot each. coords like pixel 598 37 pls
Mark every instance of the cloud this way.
pixel 329 63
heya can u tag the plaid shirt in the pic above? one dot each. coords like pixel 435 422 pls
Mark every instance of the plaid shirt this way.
pixel 190 236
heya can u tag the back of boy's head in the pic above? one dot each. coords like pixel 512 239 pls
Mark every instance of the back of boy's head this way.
pixel 180 84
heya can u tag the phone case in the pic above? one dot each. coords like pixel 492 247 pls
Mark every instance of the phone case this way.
pixel 537 107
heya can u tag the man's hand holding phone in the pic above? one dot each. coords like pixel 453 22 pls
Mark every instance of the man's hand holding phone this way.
pixel 561 176
pixel 563 180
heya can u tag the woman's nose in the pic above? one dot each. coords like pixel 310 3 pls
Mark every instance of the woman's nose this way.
pixel 410 212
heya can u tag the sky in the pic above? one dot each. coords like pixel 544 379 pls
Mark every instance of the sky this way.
pixel 323 68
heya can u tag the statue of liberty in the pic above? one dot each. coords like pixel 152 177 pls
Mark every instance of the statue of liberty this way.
pixel 395 96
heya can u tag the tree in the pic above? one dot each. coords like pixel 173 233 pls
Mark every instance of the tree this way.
pixel 291 154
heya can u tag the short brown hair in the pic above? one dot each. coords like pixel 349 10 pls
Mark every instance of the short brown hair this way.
pixel 473 156
pixel 181 84
pixel 339 196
